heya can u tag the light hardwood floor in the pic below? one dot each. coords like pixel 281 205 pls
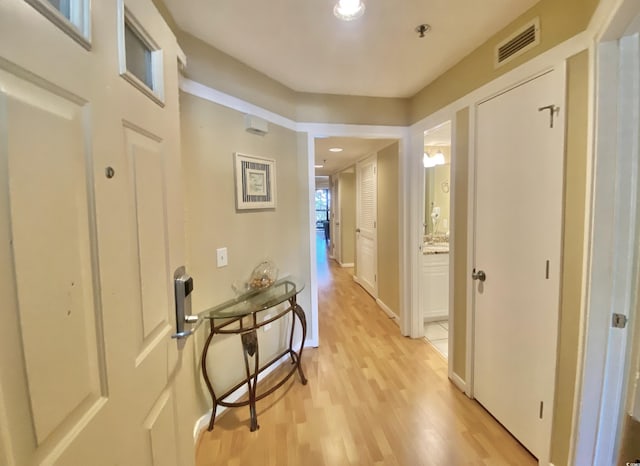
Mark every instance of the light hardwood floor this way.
pixel 373 398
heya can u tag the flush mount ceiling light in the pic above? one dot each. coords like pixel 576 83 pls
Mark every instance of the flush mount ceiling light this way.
pixel 336 149
pixel 348 10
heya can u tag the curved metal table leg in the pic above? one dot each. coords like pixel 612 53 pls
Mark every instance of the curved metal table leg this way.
pixel 250 349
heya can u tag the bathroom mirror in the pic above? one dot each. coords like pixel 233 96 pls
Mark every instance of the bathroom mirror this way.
pixel 437 182
pixel 437 193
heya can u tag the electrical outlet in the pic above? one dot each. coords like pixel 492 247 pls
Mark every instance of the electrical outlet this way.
pixel 222 260
pixel 268 326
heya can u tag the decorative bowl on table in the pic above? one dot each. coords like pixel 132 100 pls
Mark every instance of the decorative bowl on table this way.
pixel 263 276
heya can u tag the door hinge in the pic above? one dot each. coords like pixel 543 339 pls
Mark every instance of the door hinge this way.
pixel 375 278
pixel 541 409
pixel 375 224
pixel 618 320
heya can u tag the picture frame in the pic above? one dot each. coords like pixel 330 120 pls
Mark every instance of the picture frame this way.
pixel 255 182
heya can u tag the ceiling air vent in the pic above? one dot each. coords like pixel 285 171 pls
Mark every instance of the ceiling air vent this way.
pixel 518 43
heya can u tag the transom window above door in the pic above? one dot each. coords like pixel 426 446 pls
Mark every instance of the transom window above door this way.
pixel 140 57
pixel 72 16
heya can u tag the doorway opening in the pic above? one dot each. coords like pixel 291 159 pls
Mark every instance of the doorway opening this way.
pixel 434 254
pixel 357 180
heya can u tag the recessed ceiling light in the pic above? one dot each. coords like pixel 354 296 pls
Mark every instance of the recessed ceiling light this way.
pixel 319 166
pixel 348 10
pixel 336 149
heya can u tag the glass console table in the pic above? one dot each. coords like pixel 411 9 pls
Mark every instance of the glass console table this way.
pixel 240 316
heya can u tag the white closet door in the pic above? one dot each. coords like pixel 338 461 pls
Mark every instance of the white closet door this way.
pixel 518 222
pixel 366 224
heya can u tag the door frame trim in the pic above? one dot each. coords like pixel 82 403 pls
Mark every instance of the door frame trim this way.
pixel 615 105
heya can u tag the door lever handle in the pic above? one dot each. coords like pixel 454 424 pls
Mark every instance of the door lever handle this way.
pixel 479 275
pixel 185 333
pixel 357 230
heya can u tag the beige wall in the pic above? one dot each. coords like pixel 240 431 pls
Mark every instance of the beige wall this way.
pixel 574 215
pixel 213 68
pixel 559 21
pixel 460 183
pixel 388 221
pixel 347 188
pixel 348 109
pixel 630 444
pixel 210 135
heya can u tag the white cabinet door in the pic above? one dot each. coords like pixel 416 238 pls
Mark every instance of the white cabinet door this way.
pixel 434 292
pixel 90 232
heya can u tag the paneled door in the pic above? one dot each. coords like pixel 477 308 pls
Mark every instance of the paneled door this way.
pixel 366 224
pixel 90 233
pixel 518 226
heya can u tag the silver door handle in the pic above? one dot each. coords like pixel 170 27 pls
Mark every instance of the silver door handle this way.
pixel 479 275
pixel 191 331
pixel 183 286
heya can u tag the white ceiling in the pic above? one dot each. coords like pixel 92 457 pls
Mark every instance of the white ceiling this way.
pixel 302 45
pixel 354 149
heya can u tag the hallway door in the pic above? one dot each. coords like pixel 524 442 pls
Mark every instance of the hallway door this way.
pixel 518 225
pixel 90 233
pixel 366 224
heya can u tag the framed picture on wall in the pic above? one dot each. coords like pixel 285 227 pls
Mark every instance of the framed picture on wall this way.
pixel 255 182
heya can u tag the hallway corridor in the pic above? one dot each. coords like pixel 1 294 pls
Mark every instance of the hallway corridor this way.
pixel 373 397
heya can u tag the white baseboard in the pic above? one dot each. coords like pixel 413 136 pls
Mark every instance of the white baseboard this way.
pixel 203 421
pixel 310 344
pixel 458 382
pixel 433 317
pixel 387 310
pixel 346 264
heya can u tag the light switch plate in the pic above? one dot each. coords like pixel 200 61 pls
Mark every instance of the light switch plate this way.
pixel 222 260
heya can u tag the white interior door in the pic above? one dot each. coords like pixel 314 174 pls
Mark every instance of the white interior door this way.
pixel 366 224
pixel 518 219
pixel 90 232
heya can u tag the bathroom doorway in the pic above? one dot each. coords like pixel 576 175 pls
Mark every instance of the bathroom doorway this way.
pixel 434 260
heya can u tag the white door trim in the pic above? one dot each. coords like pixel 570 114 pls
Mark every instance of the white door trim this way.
pixel 613 255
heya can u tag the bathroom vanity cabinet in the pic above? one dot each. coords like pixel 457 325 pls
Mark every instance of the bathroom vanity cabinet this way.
pixel 435 285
